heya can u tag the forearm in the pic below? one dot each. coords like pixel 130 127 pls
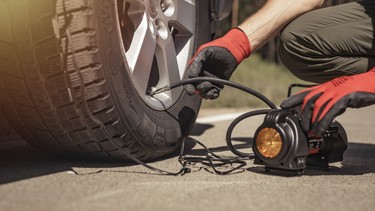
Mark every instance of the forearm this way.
pixel 272 17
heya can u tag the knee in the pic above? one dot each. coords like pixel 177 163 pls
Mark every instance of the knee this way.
pixel 293 38
pixel 296 52
pixel 291 52
pixel 288 50
pixel 288 39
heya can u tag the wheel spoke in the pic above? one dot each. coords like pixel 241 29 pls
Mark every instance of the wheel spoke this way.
pixel 181 23
pixel 141 53
pixel 182 16
pixel 167 63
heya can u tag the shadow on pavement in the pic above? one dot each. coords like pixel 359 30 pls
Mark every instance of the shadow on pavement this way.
pixel 199 129
pixel 19 161
pixel 359 159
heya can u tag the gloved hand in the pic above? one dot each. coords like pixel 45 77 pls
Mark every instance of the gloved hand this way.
pixel 322 103
pixel 217 59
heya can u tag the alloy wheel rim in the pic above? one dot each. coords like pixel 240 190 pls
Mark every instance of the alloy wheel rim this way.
pixel 158 41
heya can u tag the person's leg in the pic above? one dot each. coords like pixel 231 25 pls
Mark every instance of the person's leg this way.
pixel 330 42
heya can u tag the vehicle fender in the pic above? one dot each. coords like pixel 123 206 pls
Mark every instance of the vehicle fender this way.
pixel 223 8
pixel 220 9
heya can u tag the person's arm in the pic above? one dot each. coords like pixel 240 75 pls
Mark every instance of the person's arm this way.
pixel 219 58
pixel 272 18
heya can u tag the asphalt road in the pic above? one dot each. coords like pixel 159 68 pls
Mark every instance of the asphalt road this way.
pixel 31 180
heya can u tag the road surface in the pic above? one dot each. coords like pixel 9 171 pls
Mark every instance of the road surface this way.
pixel 31 180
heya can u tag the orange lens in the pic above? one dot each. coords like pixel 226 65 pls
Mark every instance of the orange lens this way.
pixel 269 142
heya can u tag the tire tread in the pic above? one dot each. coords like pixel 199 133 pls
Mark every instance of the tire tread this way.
pixel 44 100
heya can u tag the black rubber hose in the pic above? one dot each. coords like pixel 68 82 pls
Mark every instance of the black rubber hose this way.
pixel 216 81
pixel 234 124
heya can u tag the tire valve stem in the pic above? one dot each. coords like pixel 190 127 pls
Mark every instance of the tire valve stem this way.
pixel 155 91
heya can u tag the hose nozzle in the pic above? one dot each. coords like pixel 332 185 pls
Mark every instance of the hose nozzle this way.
pixel 155 91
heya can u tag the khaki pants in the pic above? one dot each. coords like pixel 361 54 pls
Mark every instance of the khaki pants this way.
pixel 330 42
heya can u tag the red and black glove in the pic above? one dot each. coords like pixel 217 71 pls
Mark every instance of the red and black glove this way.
pixel 322 103
pixel 217 59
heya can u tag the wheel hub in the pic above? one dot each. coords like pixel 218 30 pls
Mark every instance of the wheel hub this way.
pixel 157 38
pixel 151 8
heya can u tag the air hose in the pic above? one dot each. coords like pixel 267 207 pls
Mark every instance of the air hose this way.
pixel 235 121
pixel 215 81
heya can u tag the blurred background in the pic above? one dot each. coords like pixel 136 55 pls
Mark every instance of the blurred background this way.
pixel 262 71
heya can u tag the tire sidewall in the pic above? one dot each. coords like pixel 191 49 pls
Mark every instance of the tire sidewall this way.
pixel 157 131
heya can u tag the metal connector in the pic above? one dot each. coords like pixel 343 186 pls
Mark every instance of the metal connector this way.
pixel 155 91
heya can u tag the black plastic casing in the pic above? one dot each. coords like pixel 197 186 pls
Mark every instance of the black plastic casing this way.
pixel 332 148
pixel 294 148
pixel 300 150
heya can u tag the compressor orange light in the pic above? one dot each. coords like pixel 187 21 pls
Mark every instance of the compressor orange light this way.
pixel 269 142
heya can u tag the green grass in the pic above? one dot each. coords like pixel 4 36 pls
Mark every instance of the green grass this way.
pixel 270 79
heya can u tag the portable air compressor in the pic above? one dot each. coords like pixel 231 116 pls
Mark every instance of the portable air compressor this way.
pixel 280 143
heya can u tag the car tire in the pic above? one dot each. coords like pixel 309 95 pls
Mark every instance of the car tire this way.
pixel 65 78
